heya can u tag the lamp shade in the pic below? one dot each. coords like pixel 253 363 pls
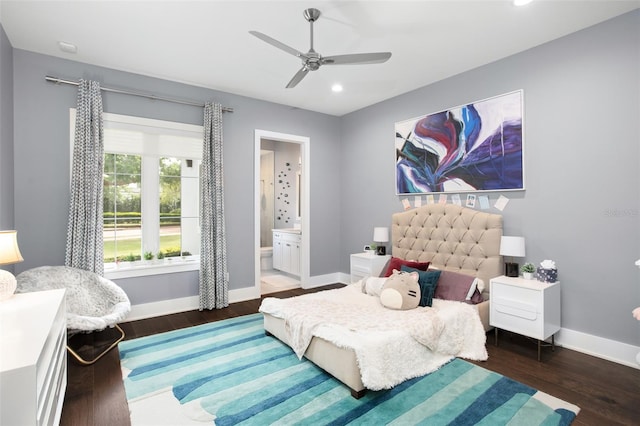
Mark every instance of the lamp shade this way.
pixel 512 246
pixel 380 235
pixel 9 251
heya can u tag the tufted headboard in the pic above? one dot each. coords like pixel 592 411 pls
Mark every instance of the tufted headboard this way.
pixel 451 237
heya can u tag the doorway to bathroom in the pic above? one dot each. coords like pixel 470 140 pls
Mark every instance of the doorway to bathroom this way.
pixel 281 211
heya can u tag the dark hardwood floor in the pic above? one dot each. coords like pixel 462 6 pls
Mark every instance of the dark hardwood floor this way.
pixel 607 393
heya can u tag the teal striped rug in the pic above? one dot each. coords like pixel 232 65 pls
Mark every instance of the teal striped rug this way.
pixel 229 372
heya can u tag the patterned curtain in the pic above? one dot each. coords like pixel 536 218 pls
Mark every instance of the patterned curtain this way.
pixel 214 285
pixel 84 232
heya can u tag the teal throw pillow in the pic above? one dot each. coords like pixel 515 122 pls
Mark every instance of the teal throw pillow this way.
pixel 428 282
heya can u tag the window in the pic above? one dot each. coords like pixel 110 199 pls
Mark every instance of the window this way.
pixel 151 195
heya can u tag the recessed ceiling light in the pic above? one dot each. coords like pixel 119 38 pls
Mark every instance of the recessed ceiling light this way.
pixel 521 2
pixel 336 88
pixel 67 47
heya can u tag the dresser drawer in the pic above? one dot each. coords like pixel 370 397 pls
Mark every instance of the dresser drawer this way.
pixel 287 236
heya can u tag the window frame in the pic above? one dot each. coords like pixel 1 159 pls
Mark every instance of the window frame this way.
pixel 173 264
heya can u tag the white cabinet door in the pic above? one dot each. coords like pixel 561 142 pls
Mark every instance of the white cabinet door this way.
pixel 277 254
pixel 295 259
pixel 286 256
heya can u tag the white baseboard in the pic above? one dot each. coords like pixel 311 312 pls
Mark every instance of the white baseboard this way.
pixel 163 307
pixel 321 280
pixel 611 350
pixel 173 306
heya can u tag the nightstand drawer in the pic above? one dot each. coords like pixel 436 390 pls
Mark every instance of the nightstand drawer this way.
pixel 363 265
pixel 515 316
pixel 517 309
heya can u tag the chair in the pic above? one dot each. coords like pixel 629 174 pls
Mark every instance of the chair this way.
pixel 94 303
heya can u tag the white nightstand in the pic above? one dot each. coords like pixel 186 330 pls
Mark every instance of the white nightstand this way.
pixel 527 307
pixel 365 265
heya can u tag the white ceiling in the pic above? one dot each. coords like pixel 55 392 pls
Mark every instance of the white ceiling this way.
pixel 207 44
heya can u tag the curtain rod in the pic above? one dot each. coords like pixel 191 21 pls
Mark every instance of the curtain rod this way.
pixel 57 80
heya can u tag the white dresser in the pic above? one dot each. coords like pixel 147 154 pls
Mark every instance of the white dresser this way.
pixel 367 265
pixel 286 250
pixel 33 358
pixel 527 307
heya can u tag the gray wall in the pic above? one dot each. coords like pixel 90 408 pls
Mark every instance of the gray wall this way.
pixel 41 126
pixel 582 137
pixel 6 133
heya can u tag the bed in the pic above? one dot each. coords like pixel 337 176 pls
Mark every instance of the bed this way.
pixel 451 238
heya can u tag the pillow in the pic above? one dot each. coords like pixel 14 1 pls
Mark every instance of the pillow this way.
pixel 401 291
pixel 458 287
pixel 428 281
pixel 372 285
pixel 396 263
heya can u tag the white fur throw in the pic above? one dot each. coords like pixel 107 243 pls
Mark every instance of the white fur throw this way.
pixel 93 302
pixel 390 346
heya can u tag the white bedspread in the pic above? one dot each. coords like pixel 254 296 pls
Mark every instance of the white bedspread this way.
pixel 390 346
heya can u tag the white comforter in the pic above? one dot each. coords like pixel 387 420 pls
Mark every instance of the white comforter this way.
pixel 390 346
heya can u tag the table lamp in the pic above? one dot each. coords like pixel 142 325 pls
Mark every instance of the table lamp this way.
pixel 380 236
pixel 513 247
pixel 9 253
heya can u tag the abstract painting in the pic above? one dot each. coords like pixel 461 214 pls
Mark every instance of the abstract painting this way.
pixel 473 147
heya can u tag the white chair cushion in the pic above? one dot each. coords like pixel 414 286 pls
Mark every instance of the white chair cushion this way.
pixel 93 302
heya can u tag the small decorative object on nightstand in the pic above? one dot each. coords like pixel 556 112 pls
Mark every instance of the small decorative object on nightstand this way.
pixel 525 307
pixel 547 272
pixel 367 265
pixel 512 247
pixel 381 236
pixel 528 269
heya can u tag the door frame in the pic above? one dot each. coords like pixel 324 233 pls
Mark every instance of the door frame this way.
pixel 304 142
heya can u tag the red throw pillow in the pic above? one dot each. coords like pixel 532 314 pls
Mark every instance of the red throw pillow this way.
pixel 458 287
pixel 396 263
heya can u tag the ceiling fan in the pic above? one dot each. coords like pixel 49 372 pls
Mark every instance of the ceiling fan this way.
pixel 312 60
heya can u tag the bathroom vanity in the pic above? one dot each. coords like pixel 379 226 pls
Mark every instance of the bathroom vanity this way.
pixel 286 250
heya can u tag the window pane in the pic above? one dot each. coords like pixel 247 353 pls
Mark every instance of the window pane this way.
pixel 109 195
pixel 190 236
pixel 128 164
pixel 170 169
pixel 109 163
pixel 170 235
pixel 170 166
pixel 122 210
pixel 170 195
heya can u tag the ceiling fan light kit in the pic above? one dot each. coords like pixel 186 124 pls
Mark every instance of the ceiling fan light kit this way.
pixel 312 60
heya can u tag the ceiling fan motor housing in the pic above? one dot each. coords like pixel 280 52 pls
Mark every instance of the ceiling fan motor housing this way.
pixel 311 14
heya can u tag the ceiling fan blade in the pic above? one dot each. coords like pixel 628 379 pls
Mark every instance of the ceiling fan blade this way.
pixel 357 58
pixel 276 43
pixel 298 77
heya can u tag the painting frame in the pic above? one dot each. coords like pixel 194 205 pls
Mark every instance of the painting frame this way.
pixel 473 147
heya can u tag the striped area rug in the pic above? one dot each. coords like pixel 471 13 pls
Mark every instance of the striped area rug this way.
pixel 229 372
